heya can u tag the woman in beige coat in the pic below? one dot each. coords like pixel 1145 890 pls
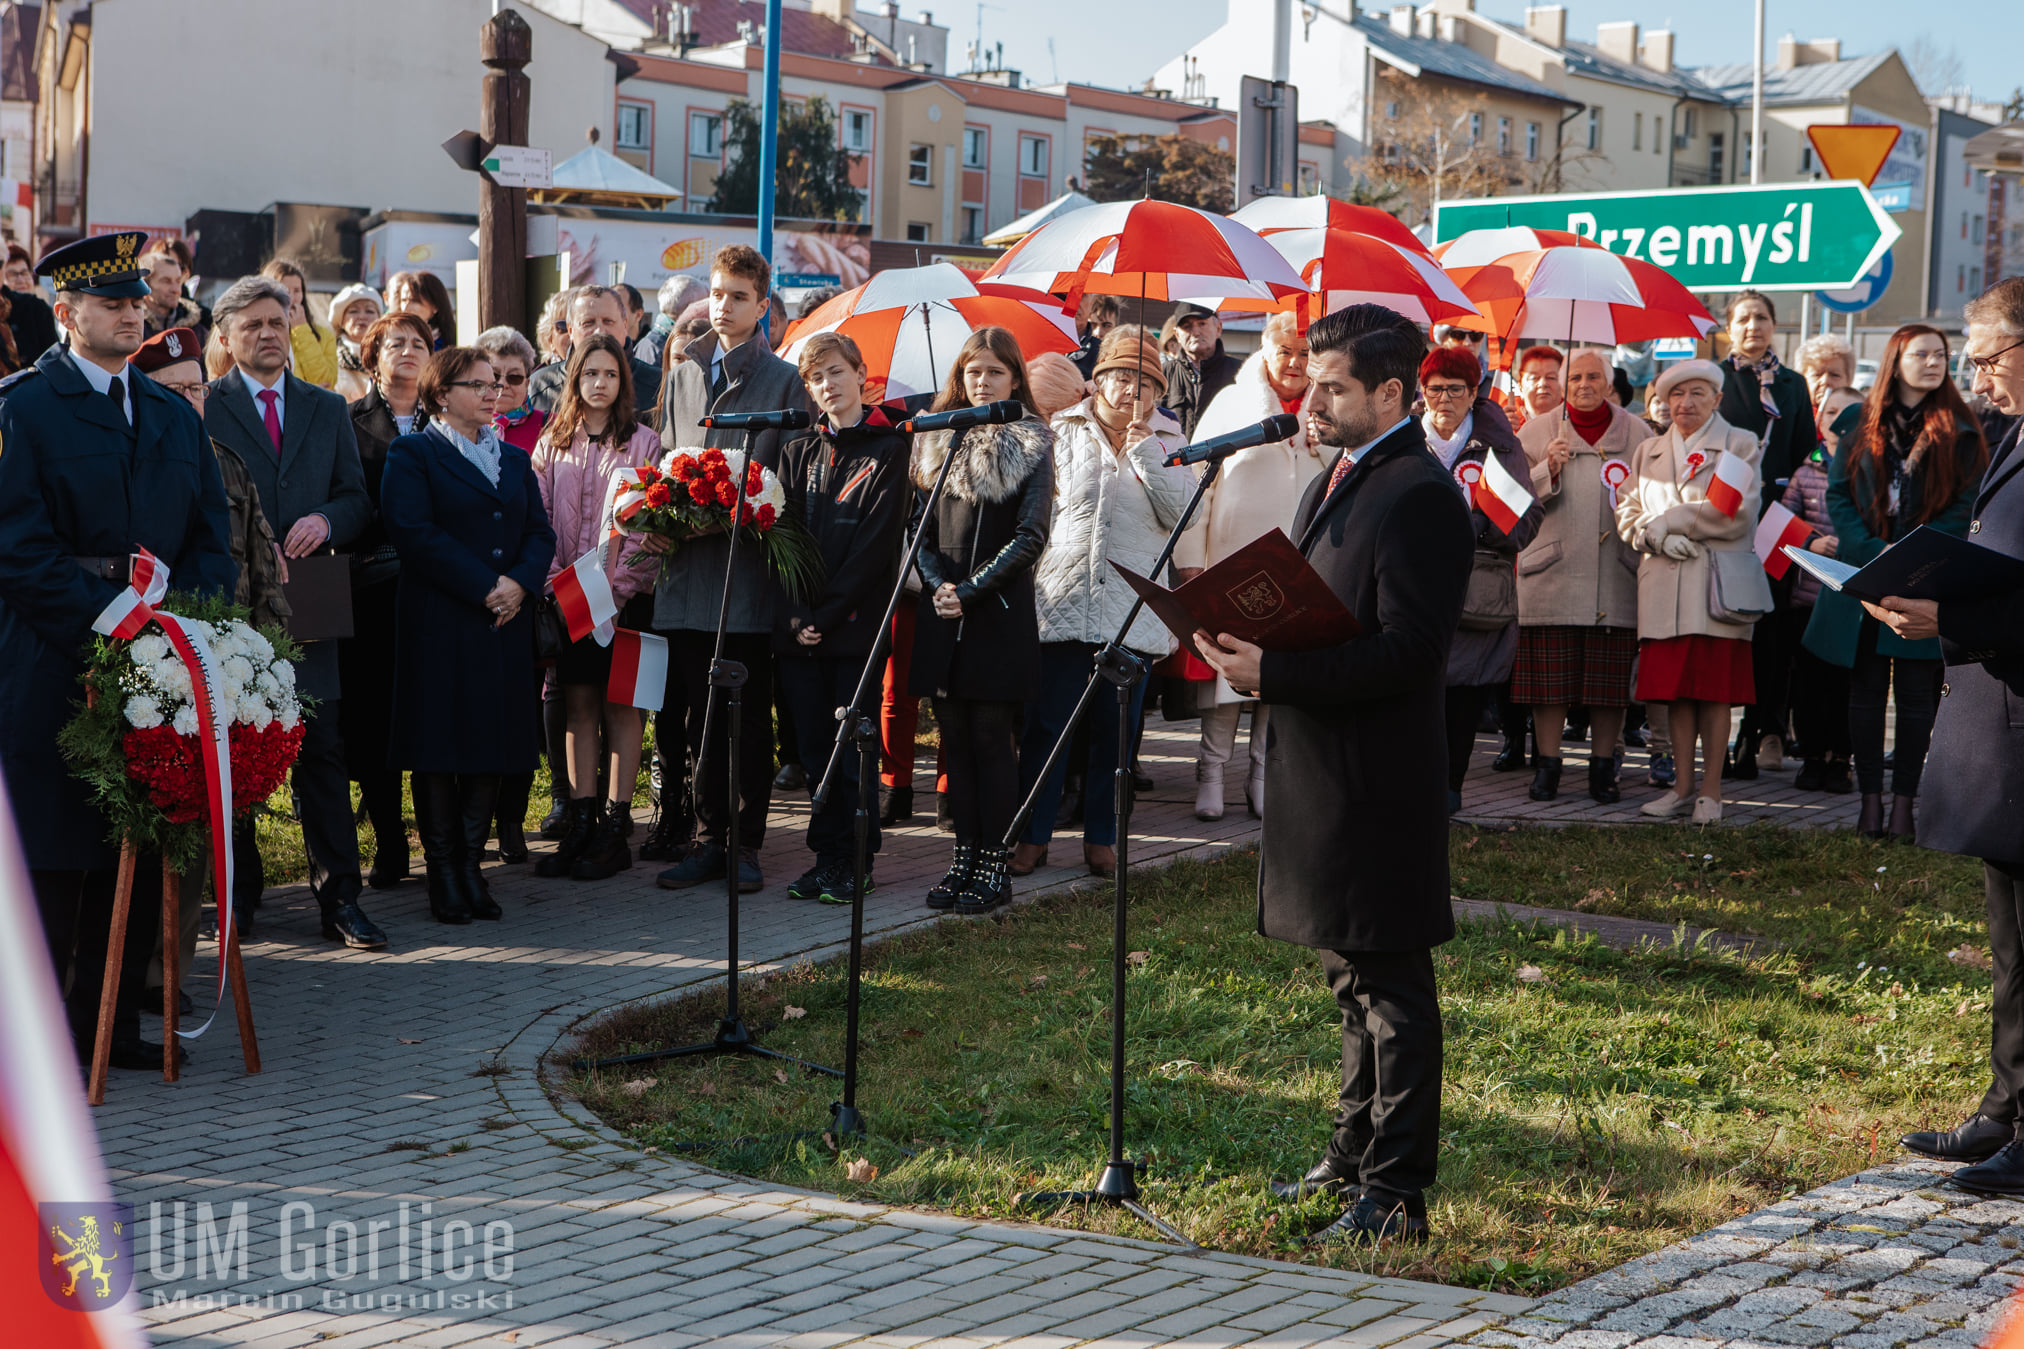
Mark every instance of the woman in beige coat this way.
pixel 1687 657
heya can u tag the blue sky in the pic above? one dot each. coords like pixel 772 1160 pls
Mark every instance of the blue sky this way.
pixel 1120 42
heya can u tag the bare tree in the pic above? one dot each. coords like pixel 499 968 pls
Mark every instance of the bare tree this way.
pixel 1938 71
pixel 1435 148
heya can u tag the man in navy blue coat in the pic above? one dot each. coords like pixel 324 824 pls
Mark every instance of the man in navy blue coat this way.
pixel 96 461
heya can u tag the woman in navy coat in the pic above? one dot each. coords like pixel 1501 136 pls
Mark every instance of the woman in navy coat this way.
pixel 463 510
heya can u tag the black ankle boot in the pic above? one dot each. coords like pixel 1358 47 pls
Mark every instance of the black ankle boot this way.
pixel 943 895
pixel 439 821
pixel 607 853
pixel 1511 758
pixel 899 806
pixel 1545 779
pixel 1602 782
pixel 990 883
pixel 1903 826
pixel 479 794
pixel 578 821
pixel 512 815
pixel 1869 821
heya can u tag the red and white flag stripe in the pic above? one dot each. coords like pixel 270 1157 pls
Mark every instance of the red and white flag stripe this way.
pixel 1732 480
pixel 214 732
pixel 584 594
pixel 1500 496
pixel 639 669
pixel 131 609
pixel 1778 528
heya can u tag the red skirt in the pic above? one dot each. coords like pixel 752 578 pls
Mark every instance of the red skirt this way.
pixel 1698 669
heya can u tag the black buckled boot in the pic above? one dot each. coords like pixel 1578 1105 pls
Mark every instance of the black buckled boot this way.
pixel 480 793
pixel 945 891
pixel 577 822
pixel 990 883
pixel 607 854
pixel 439 819
pixel 1545 779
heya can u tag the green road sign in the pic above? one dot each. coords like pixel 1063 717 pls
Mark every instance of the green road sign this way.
pixel 1782 236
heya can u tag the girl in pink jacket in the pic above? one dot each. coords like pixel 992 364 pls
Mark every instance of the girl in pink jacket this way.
pixel 594 434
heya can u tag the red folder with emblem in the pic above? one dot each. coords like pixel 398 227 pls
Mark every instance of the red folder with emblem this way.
pixel 1265 593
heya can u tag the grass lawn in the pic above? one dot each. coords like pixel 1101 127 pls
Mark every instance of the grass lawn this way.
pixel 1599 1104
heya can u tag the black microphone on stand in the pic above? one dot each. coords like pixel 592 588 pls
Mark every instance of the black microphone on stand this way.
pixel 988 414
pixel 786 419
pixel 1279 426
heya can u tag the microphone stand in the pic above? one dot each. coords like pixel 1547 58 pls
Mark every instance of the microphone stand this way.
pixel 1123 671
pixel 858 725
pixel 732 1037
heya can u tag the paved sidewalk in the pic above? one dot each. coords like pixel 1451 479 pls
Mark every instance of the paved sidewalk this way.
pixel 1888 1257
pixel 358 1191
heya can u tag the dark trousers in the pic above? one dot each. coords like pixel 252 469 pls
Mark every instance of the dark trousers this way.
pixel 380 795
pixel 981 756
pixel 1388 1124
pixel 689 687
pixel 76 912
pixel 1065 668
pixel 1819 701
pixel 1773 644
pixel 1465 709
pixel 1917 689
pixel 1513 719
pixel 813 687
pixel 787 737
pixel 323 797
pixel 2003 883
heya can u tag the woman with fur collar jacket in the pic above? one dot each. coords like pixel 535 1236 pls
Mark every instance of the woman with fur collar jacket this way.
pixel 977 644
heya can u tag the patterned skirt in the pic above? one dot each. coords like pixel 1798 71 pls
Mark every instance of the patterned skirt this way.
pixel 1560 665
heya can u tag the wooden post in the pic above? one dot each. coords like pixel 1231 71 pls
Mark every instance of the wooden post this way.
pixel 242 1001
pixel 172 971
pixel 505 45
pixel 115 951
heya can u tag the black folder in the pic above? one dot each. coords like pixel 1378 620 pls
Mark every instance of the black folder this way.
pixel 1924 565
pixel 319 593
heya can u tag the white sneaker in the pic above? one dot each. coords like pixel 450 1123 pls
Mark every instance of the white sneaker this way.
pixel 1254 796
pixel 1667 806
pixel 1208 796
pixel 1707 811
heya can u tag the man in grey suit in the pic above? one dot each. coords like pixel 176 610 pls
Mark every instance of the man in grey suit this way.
pixel 296 440
pixel 598 309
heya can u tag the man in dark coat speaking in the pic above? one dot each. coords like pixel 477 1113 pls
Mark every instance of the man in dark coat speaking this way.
pixel 1355 855
pixel 96 461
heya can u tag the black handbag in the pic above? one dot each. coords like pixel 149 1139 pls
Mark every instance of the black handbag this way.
pixel 551 632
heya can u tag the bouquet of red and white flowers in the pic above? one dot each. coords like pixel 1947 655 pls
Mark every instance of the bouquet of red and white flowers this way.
pixel 136 739
pixel 691 492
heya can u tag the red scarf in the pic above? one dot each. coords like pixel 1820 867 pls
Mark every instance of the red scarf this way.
pixel 1591 425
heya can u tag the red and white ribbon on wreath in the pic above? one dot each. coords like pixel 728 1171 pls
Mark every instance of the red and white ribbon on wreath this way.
pixel 124 618
pixel 1615 473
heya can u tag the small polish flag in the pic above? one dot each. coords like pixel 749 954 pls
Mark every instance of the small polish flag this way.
pixel 1500 496
pixel 639 669
pixel 584 594
pixel 1778 528
pixel 1733 477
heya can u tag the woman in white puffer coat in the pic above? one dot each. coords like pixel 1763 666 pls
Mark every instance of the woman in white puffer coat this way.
pixel 1114 500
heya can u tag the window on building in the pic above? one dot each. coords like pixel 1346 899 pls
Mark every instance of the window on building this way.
pixel 635 126
pixel 1637 131
pixel 1310 180
pixel 1475 128
pixel 856 131
pixel 917 233
pixel 1532 140
pixel 1033 156
pixel 1960 277
pixel 974 141
pixel 1749 153
pixel 920 159
pixel 1503 135
pixel 973 224
pixel 1391 111
pixel 1690 123
pixel 1806 157
pixel 1595 128
pixel 1714 156
pixel 1975 280
pixel 1975 235
pixel 706 135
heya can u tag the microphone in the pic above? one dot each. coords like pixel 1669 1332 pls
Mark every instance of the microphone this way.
pixel 786 419
pixel 1279 426
pixel 955 419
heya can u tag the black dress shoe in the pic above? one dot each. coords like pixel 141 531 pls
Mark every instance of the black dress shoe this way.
pixel 1511 758
pixel 348 923
pixel 2001 1174
pixel 792 777
pixel 389 867
pixel 1978 1137
pixel 1321 1178
pixel 1375 1218
pixel 138 1054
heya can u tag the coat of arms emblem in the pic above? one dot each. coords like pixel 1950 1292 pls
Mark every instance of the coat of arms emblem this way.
pixel 1258 597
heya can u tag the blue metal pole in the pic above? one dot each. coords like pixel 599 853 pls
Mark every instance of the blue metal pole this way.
pixel 769 134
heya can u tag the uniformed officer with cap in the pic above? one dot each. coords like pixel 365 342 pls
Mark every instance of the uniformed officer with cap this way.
pixel 96 461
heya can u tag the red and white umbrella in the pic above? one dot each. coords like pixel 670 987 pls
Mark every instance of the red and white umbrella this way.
pixel 1480 248
pixel 1342 267
pixel 1569 294
pixel 1157 250
pixel 1270 214
pixel 917 319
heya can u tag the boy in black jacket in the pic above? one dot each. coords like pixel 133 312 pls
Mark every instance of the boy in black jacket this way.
pixel 847 482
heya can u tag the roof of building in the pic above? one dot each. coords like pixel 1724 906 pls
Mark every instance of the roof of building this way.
pixel 1007 235
pixel 593 170
pixel 1584 58
pixel 1450 60
pixel 1818 82
pixel 716 24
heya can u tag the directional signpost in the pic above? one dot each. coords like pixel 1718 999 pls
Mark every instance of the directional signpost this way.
pixel 517 166
pixel 1779 236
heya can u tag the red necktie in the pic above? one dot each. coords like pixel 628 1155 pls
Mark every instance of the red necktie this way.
pixel 1342 468
pixel 272 416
